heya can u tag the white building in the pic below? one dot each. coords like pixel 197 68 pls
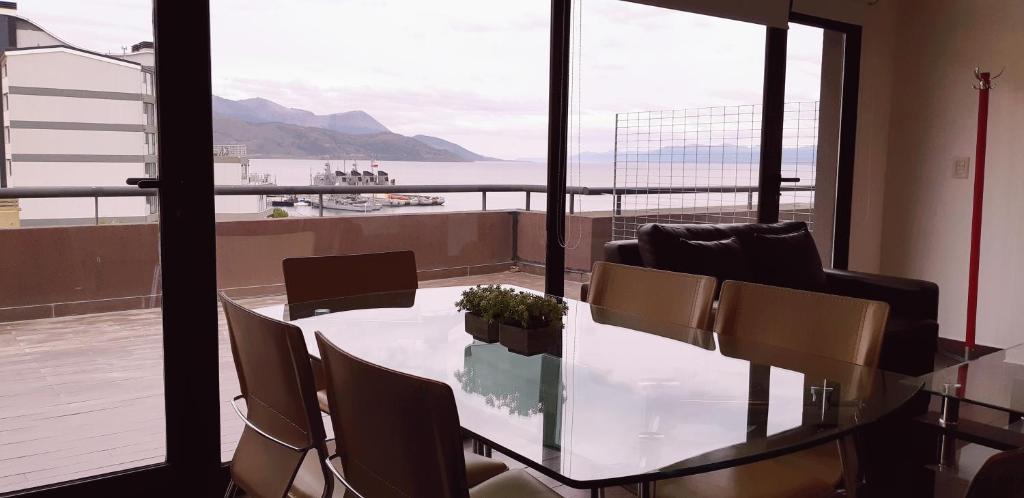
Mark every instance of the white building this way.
pixel 73 117
pixel 231 167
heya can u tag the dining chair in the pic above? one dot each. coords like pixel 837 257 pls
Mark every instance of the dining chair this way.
pixel 319 278
pixel 820 325
pixel 283 443
pixel 1001 476
pixel 663 295
pixel 399 436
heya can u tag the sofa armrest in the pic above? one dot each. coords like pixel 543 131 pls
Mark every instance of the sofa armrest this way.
pixel 623 252
pixel 907 298
pixel 909 347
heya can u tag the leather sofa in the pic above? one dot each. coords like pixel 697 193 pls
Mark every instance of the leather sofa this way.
pixel 911 335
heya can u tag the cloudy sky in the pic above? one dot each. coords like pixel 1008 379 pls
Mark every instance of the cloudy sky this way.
pixel 471 71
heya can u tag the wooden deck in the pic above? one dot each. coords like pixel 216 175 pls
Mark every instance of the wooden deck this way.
pixel 83 395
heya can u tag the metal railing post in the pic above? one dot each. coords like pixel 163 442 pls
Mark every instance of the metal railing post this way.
pixel 96 208
pixel 750 199
pixel 618 205
pixel 483 200
pixel 572 203
pixel 527 200
pixel 321 205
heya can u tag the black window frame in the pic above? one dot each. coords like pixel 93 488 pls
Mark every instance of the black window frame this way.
pixel 188 245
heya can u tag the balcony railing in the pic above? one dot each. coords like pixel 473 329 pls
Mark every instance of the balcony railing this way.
pixel 320 190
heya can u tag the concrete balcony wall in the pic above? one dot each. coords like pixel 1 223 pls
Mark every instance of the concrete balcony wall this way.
pixel 586 235
pixel 61 271
pixel 249 253
pixel 76 270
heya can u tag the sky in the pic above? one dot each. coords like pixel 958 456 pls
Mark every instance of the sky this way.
pixel 471 71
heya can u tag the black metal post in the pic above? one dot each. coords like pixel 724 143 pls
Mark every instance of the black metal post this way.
pixel 188 247
pixel 558 117
pixel 772 115
pixel 847 148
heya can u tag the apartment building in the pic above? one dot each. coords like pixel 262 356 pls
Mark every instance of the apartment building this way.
pixel 72 117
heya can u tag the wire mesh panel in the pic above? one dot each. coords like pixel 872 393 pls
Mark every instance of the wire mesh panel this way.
pixel 702 166
pixel 799 160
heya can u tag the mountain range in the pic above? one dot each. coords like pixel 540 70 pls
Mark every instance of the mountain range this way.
pixel 269 129
pixel 700 153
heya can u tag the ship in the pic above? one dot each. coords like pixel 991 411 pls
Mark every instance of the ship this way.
pixel 365 203
pixel 348 202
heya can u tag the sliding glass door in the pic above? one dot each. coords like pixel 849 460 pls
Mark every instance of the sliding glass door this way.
pixel 809 130
pixel 108 333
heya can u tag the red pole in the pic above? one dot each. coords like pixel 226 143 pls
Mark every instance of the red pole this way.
pixel 979 197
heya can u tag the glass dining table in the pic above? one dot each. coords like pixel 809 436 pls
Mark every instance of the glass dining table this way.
pixel 994 381
pixel 621 399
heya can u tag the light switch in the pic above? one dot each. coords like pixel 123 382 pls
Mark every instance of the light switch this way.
pixel 962 168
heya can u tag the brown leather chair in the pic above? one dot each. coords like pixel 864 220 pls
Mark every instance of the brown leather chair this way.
pixel 399 435
pixel 327 277
pixel 673 297
pixel 841 328
pixel 321 278
pixel 283 443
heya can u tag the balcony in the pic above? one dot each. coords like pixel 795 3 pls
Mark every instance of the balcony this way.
pixel 80 336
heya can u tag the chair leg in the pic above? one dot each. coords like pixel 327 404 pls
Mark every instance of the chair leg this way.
pixel 232 489
pixel 328 475
pixel 850 461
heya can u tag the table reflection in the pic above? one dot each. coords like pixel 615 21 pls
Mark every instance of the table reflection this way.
pixel 622 395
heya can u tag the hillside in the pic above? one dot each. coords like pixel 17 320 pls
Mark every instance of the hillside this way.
pixel 269 129
pixel 292 141
pixel 261 110
pixel 458 150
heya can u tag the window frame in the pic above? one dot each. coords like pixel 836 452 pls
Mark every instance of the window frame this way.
pixel 188 243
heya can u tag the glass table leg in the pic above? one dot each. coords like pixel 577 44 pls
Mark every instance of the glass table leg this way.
pixel 949 419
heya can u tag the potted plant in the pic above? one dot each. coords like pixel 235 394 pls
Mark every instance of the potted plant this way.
pixel 531 324
pixel 482 305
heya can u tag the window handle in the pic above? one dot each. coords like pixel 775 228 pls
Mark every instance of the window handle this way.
pixel 144 182
pixel 789 179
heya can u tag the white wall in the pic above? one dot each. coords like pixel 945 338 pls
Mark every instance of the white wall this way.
pixel 77 175
pixel 928 213
pixel 72 70
pixel 35 38
pixel 872 120
pixel 46 108
pixel 37 141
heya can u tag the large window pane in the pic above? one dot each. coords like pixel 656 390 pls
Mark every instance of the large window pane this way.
pixel 666 107
pixel 371 94
pixel 80 325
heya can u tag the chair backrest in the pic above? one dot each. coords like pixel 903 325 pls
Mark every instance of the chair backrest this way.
pixel 276 380
pixel 327 277
pixel 661 295
pixel 397 435
pixel 1002 476
pixel 842 328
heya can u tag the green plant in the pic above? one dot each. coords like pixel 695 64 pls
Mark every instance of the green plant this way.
pixel 278 213
pixel 484 300
pixel 520 309
pixel 529 311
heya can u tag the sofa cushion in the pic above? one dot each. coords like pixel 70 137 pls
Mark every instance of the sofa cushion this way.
pixel 722 259
pixel 788 260
pixel 654 238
